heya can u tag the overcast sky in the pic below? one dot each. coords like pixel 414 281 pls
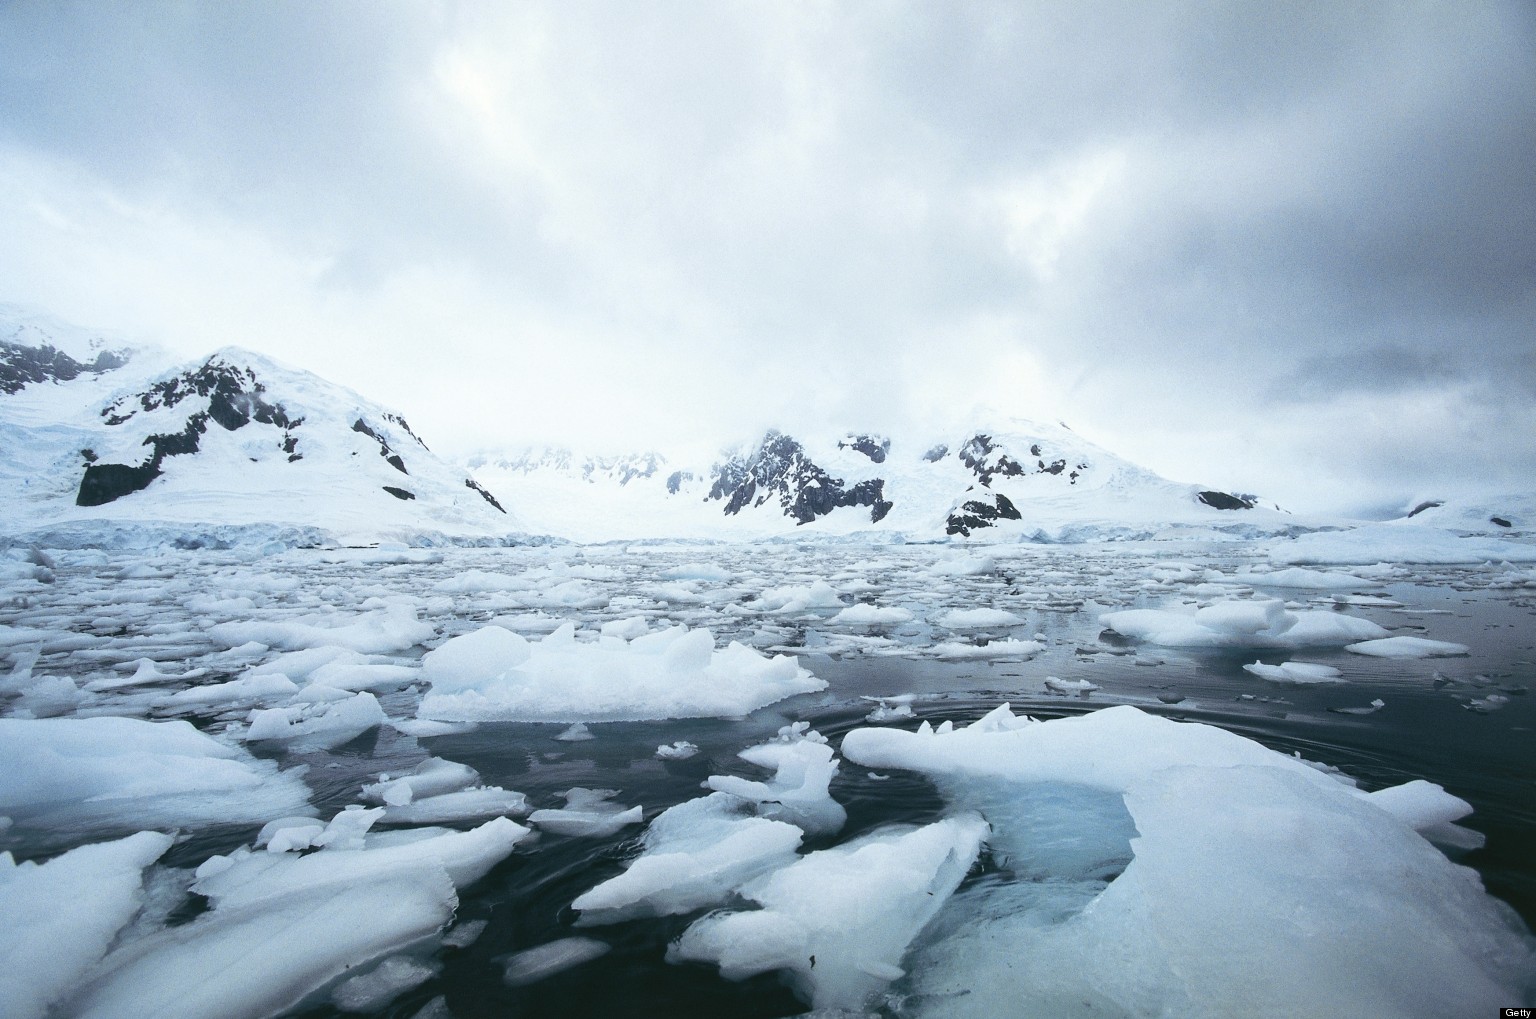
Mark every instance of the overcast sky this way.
pixel 1285 248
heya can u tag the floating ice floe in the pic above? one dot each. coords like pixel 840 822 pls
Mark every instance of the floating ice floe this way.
pixel 1077 686
pixel 794 598
pixel 977 619
pixel 534 964
pixel 890 709
pixel 392 628
pixel 681 750
pixel 117 774
pixel 673 673
pixel 577 733
pixel 1329 902
pixel 1369 709
pixel 371 991
pixel 1295 576
pixel 1295 672
pixel 316 725
pixel 838 922
pixel 963 566
pixel 871 615
pixel 1250 624
pixel 283 925
pixel 803 766
pixel 588 814
pixel 437 791
pixel 693 855
pixel 61 916
pixel 1408 647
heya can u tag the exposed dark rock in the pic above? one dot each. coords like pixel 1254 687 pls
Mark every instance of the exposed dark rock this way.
pixel 21 366
pixel 1428 504
pixel 390 456
pixel 105 482
pixel 779 469
pixel 986 460
pixel 400 493
pixel 1224 501
pixel 871 446
pixel 234 397
pixel 88 455
pixel 234 400
pixel 936 454
pixel 675 481
pixel 1500 521
pixel 487 496
pixel 398 420
pixel 974 514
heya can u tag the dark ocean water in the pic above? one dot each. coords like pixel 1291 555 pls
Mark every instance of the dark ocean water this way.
pixel 1424 731
pixel 1467 723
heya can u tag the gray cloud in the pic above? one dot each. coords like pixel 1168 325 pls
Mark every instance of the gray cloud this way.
pixel 707 217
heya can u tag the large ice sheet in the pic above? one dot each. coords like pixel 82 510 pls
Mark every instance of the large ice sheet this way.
pixel 284 926
pixel 60 916
pixel 838 922
pixel 674 673
pixel 120 774
pixel 1256 882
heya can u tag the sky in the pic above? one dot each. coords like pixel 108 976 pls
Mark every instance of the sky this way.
pixel 1282 248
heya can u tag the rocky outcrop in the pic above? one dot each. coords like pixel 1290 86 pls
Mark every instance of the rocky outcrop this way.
pixel 22 366
pixel 1226 501
pixel 234 399
pixel 983 511
pixel 779 471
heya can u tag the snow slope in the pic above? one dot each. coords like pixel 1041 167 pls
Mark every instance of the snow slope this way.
pixel 234 439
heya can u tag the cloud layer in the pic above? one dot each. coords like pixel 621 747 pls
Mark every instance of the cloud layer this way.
pixel 1282 249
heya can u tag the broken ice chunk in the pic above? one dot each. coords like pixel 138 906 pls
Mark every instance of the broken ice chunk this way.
pixel 535 964
pixel 371 991
pixel 1408 647
pixel 1295 672
pixel 695 855
pixel 803 767
pixel 1372 708
pixel 587 813
pixel 61 916
pixel 839 921
pixel 681 750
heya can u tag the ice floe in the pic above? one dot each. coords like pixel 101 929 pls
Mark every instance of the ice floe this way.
pixel 125 774
pixel 1251 624
pixel 1408 647
pixel 838 922
pixel 673 673
pixel 1329 901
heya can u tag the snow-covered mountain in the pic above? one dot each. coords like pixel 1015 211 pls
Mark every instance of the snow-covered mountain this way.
pixel 234 439
pixel 1012 479
pixel 97 432
pixel 1507 513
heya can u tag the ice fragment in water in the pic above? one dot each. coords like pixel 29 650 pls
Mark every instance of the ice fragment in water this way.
pixel 694 855
pixel 371 991
pixel 535 964
pixel 839 921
